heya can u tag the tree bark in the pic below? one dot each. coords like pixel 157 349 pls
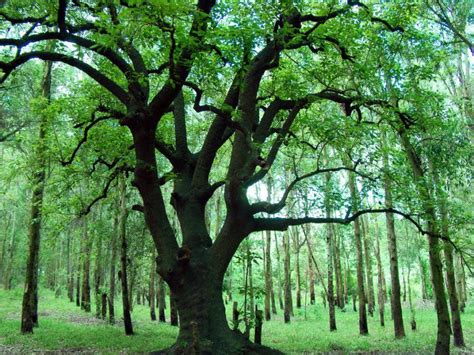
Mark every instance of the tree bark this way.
pixel 368 267
pixel 151 288
pixel 161 299
pixel 268 275
pixel 127 319
pixel 363 326
pixel 86 288
pixel 395 302
pixel 380 277
pixel 287 278
pixel 443 334
pixel 113 261
pixel 29 312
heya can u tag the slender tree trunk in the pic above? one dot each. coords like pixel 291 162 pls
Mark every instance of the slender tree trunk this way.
pixel 380 277
pixel 173 310
pixel 312 294
pixel 70 271
pixel 338 270
pixel 86 288
pixel 152 287
pixel 98 277
pixel 363 326
pixel 113 261
pixel 268 275
pixel 296 240
pixel 423 283
pixel 78 278
pixel 368 267
pixel 280 283
pixel 395 302
pixel 443 335
pixel 329 254
pixel 29 312
pixel 7 276
pixel 127 319
pixel 161 298
pixel 287 280
pixel 460 282
pixel 449 261
pixel 410 302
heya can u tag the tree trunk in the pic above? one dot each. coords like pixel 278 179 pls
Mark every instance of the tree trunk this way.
pixel 312 294
pixel 7 276
pixel 395 302
pixel 380 277
pixel 98 277
pixel 443 335
pixel 410 302
pixel 460 282
pixel 70 270
pixel 368 267
pixel 113 261
pixel 127 319
pixel 296 241
pixel 280 283
pixel 338 269
pixel 152 287
pixel 287 279
pixel 268 275
pixel 363 326
pixel 29 312
pixel 86 288
pixel 423 282
pixel 161 298
pixel 173 310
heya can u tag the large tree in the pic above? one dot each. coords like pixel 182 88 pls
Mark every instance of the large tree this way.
pixel 142 54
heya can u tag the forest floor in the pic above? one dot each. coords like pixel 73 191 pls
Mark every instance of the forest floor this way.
pixel 65 328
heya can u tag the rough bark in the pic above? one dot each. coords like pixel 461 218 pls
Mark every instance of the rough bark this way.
pixel 29 311
pixel 173 310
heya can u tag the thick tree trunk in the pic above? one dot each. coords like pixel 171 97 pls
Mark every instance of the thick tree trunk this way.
pixel 363 326
pixel 127 319
pixel 29 312
pixel 395 302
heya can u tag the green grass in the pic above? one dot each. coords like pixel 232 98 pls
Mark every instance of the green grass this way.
pixel 65 327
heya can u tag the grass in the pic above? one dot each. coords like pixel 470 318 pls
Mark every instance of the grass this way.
pixel 65 327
